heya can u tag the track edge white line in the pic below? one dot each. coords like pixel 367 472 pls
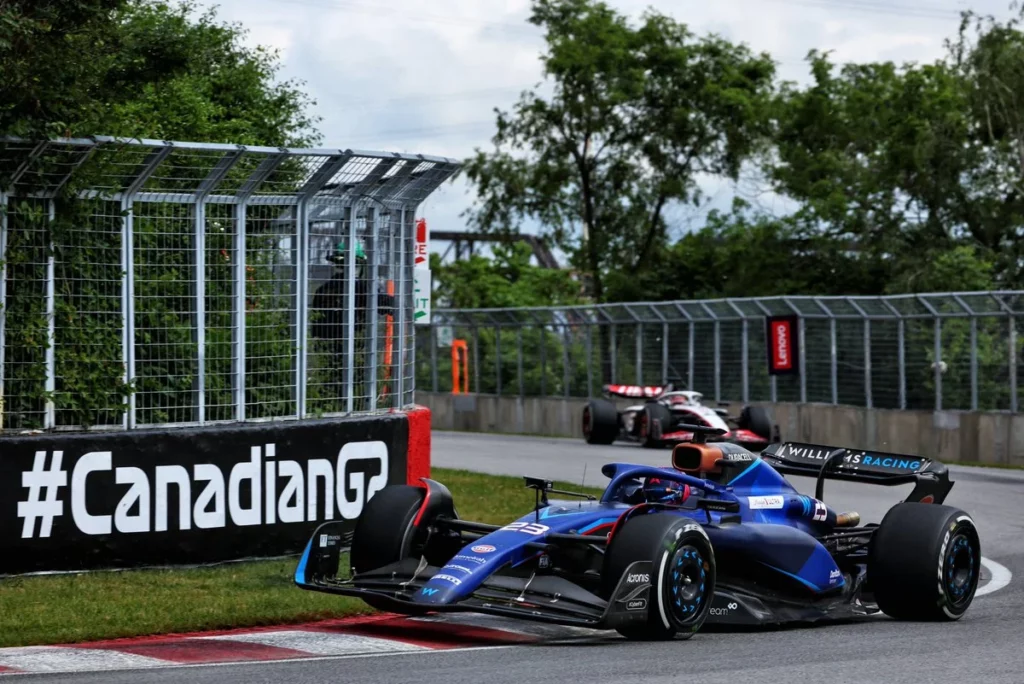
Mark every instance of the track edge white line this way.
pixel 1001 577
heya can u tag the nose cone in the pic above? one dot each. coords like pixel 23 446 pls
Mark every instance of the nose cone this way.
pixel 462 575
pixel 439 590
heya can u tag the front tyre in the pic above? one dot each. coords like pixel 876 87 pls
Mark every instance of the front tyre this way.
pixel 385 532
pixel 600 422
pixel 924 562
pixel 682 578
pixel 654 419
pixel 755 419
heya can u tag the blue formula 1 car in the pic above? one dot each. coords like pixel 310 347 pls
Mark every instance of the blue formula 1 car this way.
pixel 720 536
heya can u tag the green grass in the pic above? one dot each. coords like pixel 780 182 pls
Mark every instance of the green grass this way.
pixel 105 605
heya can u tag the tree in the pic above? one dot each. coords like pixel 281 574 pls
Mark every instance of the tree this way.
pixel 508 280
pixel 911 162
pixel 149 70
pixel 636 115
pixel 143 68
pixel 177 75
pixel 745 254
pixel 52 57
pixel 989 57
pixel 874 153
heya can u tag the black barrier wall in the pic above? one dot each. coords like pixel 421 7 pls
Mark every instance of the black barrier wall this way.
pixel 188 496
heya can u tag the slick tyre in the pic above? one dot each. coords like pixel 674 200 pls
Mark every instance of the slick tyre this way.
pixel 924 562
pixel 600 422
pixel 755 419
pixel 682 578
pixel 385 532
pixel 653 421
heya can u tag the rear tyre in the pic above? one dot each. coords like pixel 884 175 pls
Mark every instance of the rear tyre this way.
pixel 385 533
pixel 755 419
pixel 653 421
pixel 600 422
pixel 683 577
pixel 924 562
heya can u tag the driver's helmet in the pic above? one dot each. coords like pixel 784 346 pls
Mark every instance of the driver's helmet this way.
pixel 338 255
pixel 678 399
pixel 665 491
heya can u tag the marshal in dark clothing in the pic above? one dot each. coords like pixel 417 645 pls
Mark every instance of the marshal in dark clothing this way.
pixel 329 315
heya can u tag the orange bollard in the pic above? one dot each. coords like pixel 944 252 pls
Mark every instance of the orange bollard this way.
pixel 389 344
pixel 457 346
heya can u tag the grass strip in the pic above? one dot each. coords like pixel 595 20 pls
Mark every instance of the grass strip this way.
pixel 60 609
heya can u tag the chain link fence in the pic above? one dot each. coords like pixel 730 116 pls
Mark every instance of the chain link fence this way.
pixel 926 351
pixel 151 283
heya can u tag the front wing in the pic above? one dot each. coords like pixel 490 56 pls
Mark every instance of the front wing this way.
pixel 543 598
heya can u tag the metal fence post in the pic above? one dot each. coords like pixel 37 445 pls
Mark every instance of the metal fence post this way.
pixel 1013 363
pixel 868 398
pixel 974 363
pixel 689 356
pixel 614 352
pixel 405 283
pixel 199 285
pixel 746 361
pixel 238 323
pixel 302 307
pixel 938 364
pixel 476 360
pixel 350 306
pixel 371 256
pixel 497 359
pixel 901 361
pixel 802 330
pixel 519 362
pixel 128 305
pixel 50 418
pixel 639 350
pixel 834 359
pixel 664 353
pixel 590 360
pixel 718 361
pixel 543 361
pixel 565 360
pixel 433 359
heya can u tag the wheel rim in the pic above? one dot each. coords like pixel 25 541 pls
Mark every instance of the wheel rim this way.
pixel 586 422
pixel 961 572
pixel 687 582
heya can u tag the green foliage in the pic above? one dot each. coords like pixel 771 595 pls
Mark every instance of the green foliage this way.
pixel 141 69
pixel 743 254
pixel 51 63
pixel 636 114
pixel 506 281
pixel 176 76
pixel 509 280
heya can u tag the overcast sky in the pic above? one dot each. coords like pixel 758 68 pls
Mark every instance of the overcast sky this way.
pixel 413 76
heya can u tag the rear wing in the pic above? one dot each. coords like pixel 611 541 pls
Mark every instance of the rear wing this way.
pixel 930 477
pixel 635 391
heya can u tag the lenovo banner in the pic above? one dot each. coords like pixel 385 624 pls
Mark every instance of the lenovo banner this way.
pixel 783 345
pixel 189 496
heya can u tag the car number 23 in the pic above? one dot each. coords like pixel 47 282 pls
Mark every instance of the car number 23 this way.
pixel 528 528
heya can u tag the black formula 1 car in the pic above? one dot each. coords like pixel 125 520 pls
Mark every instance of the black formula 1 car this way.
pixel 663 418
pixel 720 536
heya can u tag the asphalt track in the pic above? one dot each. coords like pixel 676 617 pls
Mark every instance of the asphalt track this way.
pixel 986 646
